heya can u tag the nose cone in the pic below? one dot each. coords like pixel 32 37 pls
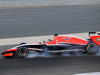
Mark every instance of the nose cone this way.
pixel 8 54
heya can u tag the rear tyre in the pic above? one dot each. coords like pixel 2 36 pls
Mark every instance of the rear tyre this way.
pixel 22 52
pixel 92 48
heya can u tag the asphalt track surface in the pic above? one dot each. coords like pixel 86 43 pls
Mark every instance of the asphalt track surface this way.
pixel 50 66
pixel 40 21
pixel 36 21
pixel 57 65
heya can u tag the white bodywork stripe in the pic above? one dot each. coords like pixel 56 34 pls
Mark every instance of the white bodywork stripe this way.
pixel 65 50
pixel 69 43
pixel 36 49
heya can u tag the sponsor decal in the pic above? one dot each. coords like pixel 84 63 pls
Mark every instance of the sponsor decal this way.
pixel 98 39
pixel 67 39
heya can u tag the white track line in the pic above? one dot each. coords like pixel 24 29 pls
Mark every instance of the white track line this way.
pixel 92 73
pixel 12 41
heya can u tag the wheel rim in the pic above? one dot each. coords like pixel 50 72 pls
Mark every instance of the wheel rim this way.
pixel 92 48
pixel 22 52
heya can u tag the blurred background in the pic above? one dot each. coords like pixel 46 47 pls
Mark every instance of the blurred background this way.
pixel 36 18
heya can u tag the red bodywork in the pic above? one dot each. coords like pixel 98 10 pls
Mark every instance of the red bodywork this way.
pixel 67 39
pixel 8 54
pixel 96 39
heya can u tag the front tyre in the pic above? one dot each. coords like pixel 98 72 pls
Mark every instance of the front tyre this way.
pixel 22 52
pixel 92 48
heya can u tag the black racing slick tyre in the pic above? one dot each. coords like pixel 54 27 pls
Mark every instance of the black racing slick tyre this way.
pixel 22 52
pixel 92 48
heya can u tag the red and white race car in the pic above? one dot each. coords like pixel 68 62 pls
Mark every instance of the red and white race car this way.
pixel 60 43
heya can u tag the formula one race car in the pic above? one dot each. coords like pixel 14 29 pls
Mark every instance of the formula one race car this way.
pixel 61 43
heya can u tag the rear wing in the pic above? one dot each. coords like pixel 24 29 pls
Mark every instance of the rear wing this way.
pixel 95 37
pixel 93 33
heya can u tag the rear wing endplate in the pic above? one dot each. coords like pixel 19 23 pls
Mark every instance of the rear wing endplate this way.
pixel 93 33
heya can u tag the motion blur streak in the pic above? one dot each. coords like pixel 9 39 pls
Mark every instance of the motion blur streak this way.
pixel 50 66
